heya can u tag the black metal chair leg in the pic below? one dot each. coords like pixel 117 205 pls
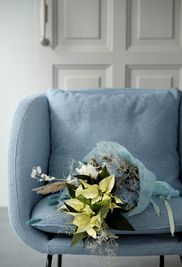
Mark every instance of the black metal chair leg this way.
pixel 59 260
pixel 161 264
pixel 49 260
pixel 180 256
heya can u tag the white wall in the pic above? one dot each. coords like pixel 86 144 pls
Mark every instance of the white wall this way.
pixel 16 71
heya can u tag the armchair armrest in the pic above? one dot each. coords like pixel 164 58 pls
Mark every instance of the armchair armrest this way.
pixel 29 146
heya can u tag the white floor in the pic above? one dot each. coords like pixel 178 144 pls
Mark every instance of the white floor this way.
pixel 14 253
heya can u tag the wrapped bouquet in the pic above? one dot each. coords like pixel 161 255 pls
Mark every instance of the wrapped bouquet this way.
pixel 106 187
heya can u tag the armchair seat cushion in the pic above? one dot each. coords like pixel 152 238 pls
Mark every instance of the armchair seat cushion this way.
pixel 148 222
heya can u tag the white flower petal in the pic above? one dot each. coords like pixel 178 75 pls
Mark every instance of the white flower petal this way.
pixel 39 170
pixel 34 173
pixel 88 170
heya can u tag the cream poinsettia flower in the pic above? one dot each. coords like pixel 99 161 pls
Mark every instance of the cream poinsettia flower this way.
pixel 88 170
pixel 96 199
pixel 95 191
pixel 81 220
pixel 86 223
pixel 75 204
pixel 88 210
pixel 78 206
pixel 87 190
pixel 107 184
pixel 90 192
pixel 92 202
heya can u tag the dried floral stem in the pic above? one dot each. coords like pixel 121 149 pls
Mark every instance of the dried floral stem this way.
pixel 49 188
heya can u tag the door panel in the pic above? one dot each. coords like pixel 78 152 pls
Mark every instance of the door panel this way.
pixel 154 24
pixel 110 43
pixel 155 76
pixel 81 76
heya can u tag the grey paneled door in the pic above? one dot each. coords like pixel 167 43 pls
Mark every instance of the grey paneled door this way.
pixel 108 43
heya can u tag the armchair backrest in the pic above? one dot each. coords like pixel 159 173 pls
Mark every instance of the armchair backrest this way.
pixel 144 121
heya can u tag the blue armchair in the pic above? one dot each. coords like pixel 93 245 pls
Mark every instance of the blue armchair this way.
pixel 49 129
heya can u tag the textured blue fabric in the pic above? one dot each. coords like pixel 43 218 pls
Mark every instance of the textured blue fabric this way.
pixel 147 222
pixel 144 121
pixel 52 220
pixel 139 245
pixel 29 146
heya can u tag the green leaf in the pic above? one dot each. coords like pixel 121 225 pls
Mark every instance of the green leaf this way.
pixel 82 176
pixel 71 189
pixel 85 177
pixel 105 209
pixel 97 206
pixel 70 208
pixel 117 221
pixel 104 173
pixel 77 238
pixel 114 188
pixel 84 200
pixel 122 207
pixel 33 221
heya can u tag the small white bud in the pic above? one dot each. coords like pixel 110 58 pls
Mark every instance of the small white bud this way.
pixel 68 178
pixel 34 173
pixel 52 178
pixel 39 170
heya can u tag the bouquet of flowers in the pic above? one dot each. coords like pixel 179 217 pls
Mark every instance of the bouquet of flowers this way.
pixel 107 187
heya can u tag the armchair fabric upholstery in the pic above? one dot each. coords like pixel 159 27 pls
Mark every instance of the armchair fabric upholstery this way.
pixel 31 145
pixel 144 121
pixel 147 222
